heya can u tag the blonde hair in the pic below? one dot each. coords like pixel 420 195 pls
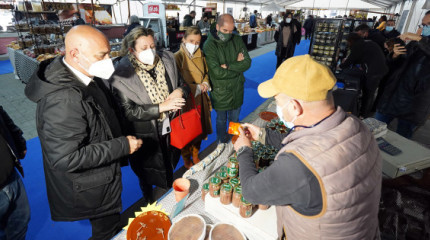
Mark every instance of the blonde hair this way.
pixel 192 31
pixel 130 39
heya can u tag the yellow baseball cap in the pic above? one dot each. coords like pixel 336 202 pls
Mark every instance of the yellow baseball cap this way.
pixel 300 78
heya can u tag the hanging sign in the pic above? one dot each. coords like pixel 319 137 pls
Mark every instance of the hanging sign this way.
pixel 153 9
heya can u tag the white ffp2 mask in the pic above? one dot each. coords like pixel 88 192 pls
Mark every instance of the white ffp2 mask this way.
pixel 147 56
pixel 191 48
pixel 102 69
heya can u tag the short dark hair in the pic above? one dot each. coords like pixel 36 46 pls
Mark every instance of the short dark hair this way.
pixel 255 11
pixel 353 37
pixel 428 12
pixel 384 18
pixel 288 13
pixel 193 12
pixel 362 27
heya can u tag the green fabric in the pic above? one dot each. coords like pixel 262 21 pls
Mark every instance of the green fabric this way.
pixel 227 84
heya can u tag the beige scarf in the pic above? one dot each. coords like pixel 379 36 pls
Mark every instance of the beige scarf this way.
pixel 157 88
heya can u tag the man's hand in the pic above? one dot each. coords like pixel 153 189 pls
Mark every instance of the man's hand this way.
pixel 22 154
pixel 398 50
pixel 410 36
pixel 254 131
pixel 224 66
pixel 243 140
pixel 240 57
pixel 134 143
pixel 175 94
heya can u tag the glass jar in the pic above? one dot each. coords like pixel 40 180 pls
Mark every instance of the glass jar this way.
pixel 245 208
pixel 226 193
pixel 214 187
pixel 234 182
pixel 223 176
pixel 233 163
pixel 232 172
pixel 205 190
pixel 237 196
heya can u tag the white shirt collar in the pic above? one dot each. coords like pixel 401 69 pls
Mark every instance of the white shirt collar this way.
pixel 82 77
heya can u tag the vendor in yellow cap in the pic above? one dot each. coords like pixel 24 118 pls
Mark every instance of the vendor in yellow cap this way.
pixel 326 179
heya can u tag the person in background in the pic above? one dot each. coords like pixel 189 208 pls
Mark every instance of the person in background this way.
pixel 269 20
pixel 134 22
pixel 369 34
pixel 382 23
pixel 227 59
pixel 372 59
pixel 14 207
pixel 390 30
pixel 80 133
pixel 149 89
pixel 253 19
pixel 326 179
pixel 298 24
pixel 286 37
pixel 308 26
pixel 77 20
pixel 192 65
pixel 204 24
pixel 407 92
pixel 188 19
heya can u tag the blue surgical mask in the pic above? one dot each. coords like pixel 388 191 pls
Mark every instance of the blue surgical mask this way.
pixel 426 31
pixel 389 28
pixel 289 125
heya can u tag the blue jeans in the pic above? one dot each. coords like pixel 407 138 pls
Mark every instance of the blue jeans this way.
pixel 404 128
pixel 14 209
pixel 221 123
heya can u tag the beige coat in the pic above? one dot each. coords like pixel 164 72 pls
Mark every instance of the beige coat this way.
pixel 343 155
pixel 195 71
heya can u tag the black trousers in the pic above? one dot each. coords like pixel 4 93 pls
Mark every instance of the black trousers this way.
pixel 369 91
pixel 308 33
pixel 105 227
pixel 286 52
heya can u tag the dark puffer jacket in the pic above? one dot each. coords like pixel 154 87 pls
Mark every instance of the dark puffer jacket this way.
pixel 407 93
pixel 80 154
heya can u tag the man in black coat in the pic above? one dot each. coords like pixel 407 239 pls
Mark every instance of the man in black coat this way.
pixel 407 92
pixel 14 207
pixel 390 30
pixel 287 36
pixel 371 34
pixel 80 134
pixel 370 56
pixel 308 26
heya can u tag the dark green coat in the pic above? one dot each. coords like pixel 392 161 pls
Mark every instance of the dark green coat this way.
pixel 227 84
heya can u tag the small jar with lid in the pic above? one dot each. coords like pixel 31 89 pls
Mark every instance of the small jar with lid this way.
pixel 234 182
pixel 237 196
pixel 226 193
pixel 223 169
pixel 233 172
pixel 214 187
pixel 205 190
pixel 233 163
pixel 223 176
pixel 245 208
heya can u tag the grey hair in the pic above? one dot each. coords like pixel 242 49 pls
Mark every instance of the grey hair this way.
pixel 134 19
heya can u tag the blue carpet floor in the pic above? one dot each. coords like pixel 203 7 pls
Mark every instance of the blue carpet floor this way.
pixel 5 67
pixel 41 226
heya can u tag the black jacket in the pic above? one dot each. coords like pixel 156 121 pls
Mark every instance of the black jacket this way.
pixel 131 27
pixel 294 38
pixel 391 34
pixel 378 37
pixel 407 91
pixel 80 154
pixel 155 161
pixel 309 24
pixel 368 54
pixel 12 135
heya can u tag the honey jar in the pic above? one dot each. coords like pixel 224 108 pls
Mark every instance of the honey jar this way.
pixel 226 193
pixel 245 209
pixel 205 190
pixel 214 187
pixel 237 196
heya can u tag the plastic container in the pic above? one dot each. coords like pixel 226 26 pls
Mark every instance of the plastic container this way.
pixel 222 231
pixel 191 224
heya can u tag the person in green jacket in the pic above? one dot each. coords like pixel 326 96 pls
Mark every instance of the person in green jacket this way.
pixel 227 59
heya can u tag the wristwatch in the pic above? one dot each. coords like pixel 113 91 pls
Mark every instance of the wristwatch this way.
pixel 241 150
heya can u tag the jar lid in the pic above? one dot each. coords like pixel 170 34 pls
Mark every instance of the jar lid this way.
pixel 222 175
pixel 234 181
pixel 215 180
pixel 238 189
pixel 243 200
pixel 227 187
pixel 223 169
pixel 233 160
pixel 206 186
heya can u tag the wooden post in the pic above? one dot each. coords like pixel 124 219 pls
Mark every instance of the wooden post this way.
pixel 128 2
pixel 93 20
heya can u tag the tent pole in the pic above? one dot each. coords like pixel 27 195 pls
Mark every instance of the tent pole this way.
pixel 93 21
pixel 313 6
pixel 128 2
pixel 346 8
pixel 400 12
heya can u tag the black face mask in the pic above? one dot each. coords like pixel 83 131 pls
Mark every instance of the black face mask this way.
pixel 205 20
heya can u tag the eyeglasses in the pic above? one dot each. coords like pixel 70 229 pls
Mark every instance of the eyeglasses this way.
pixel 423 25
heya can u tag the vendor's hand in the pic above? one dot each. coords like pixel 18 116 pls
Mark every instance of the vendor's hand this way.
pixel 243 140
pixel 134 143
pixel 203 87
pixel 240 57
pixel 176 94
pixel 410 36
pixel 171 105
pixel 22 154
pixel 224 66
pixel 254 131
pixel 398 50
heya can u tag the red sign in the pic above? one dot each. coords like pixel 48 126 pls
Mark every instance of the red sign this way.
pixel 180 35
pixel 153 9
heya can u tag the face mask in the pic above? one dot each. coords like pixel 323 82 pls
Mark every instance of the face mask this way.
pixel 147 56
pixel 191 48
pixel 288 20
pixel 289 125
pixel 224 36
pixel 102 69
pixel 205 20
pixel 389 28
pixel 426 31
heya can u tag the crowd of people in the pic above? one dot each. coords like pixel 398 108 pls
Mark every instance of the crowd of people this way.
pixel 95 115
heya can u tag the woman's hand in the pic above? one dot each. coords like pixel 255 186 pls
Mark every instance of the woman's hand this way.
pixel 204 87
pixel 173 104
pixel 175 94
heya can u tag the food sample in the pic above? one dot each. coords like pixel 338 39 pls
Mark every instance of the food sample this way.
pixel 188 228
pixel 149 225
pixel 226 232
